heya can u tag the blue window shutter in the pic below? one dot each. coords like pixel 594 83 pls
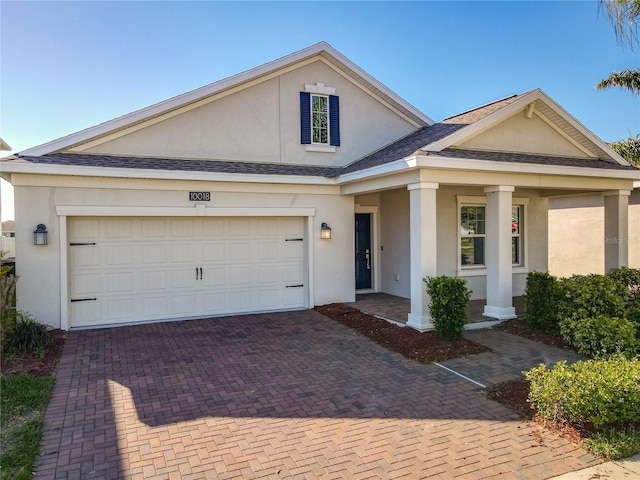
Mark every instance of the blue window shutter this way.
pixel 305 117
pixel 334 120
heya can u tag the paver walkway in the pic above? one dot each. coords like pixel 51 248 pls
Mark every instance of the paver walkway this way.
pixel 284 395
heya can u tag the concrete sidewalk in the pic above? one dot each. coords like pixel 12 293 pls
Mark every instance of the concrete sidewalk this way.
pixel 628 468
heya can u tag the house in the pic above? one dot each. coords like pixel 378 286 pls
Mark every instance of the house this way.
pixel 7 239
pixel 294 184
pixel 576 224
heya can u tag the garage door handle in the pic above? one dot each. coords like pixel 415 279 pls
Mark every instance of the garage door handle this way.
pixel 200 273
pixel 73 300
pixel 294 239
pixel 295 286
pixel 79 244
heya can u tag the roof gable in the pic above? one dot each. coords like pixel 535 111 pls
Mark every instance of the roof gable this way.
pixel 201 96
pixel 554 128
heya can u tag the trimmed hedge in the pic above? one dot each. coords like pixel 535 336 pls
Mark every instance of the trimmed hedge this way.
pixel 600 336
pixel 597 392
pixel 449 299
pixel 542 296
pixel 589 296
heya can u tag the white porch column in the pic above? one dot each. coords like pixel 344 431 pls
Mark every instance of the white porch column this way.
pixel 498 253
pixel 423 234
pixel 616 229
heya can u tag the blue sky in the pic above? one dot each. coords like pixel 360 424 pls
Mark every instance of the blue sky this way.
pixel 66 66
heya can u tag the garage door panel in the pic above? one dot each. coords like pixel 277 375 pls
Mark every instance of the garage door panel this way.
pixel 239 227
pixel 182 278
pixel 290 274
pixel 182 228
pixel 214 277
pixel 87 313
pixel 154 228
pixel 184 252
pixel 213 252
pixel 119 255
pixel 120 309
pixel 118 229
pixel 185 305
pixel 214 302
pixel 84 284
pixel 120 282
pixel 84 256
pixel 154 280
pixel 155 307
pixel 153 253
pixel 153 269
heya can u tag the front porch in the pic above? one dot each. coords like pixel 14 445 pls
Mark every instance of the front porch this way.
pixel 396 309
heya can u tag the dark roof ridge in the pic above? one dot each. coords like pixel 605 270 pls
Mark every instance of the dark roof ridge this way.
pixel 466 112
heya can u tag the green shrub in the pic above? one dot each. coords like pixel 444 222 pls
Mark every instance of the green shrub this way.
pixel 630 277
pixel 542 296
pixel 596 392
pixel 600 336
pixel 627 276
pixel 589 296
pixel 27 335
pixel 449 299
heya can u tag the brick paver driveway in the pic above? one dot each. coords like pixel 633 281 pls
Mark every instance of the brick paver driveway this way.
pixel 286 395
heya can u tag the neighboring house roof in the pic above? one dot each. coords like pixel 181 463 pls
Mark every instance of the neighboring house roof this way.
pixel 8 226
pixel 4 145
pixel 322 49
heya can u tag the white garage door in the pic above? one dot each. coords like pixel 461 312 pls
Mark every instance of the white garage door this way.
pixel 124 270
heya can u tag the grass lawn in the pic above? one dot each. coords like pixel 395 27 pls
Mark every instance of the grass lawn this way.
pixel 23 401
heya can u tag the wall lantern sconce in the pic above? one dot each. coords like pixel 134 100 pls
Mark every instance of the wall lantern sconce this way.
pixel 325 231
pixel 40 235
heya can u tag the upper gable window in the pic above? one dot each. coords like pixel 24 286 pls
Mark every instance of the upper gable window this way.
pixel 319 118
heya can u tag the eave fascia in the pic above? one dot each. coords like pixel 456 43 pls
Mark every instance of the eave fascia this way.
pixel 440 162
pixel 138 173
pixel 433 161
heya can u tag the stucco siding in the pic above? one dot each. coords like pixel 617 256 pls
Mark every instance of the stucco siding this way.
pixel 394 236
pixel 261 123
pixel 521 134
pixel 39 290
pixel 576 234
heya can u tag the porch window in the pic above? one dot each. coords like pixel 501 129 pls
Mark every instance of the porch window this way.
pixel 517 222
pixel 472 235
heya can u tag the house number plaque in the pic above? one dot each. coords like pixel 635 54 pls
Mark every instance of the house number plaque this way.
pixel 199 196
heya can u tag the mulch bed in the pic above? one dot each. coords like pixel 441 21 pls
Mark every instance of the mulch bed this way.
pixel 424 347
pixel 520 328
pixel 28 364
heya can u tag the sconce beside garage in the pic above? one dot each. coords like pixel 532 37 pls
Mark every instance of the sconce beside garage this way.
pixel 40 235
pixel 325 231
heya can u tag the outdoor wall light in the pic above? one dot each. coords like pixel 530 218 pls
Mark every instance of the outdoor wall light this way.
pixel 40 235
pixel 325 231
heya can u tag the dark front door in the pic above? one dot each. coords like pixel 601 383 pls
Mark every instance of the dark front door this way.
pixel 363 251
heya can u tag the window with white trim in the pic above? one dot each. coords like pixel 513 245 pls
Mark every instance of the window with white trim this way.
pixel 472 235
pixel 517 239
pixel 320 118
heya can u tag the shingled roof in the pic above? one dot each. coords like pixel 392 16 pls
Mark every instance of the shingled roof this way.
pixel 147 163
pixel 416 143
